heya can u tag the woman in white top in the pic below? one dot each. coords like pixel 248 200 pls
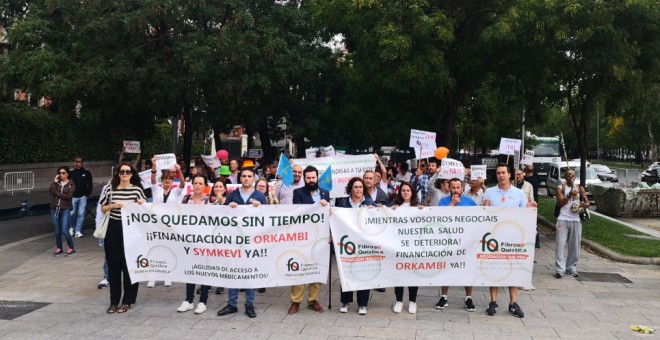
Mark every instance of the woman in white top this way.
pixel 166 192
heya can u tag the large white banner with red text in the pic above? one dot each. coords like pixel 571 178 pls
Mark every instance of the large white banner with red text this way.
pixel 434 246
pixel 242 247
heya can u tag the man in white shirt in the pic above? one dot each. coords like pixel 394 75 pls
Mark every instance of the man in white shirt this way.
pixel 285 192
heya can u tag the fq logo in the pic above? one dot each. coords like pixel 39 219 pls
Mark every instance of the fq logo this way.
pixel 490 244
pixel 292 265
pixel 142 262
pixel 346 247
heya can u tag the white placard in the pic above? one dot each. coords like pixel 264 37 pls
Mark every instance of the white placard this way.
pixel 211 161
pixel 243 247
pixel 344 168
pixel 255 153
pixel 165 161
pixel 132 146
pixel 451 168
pixel 528 158
pixel 508 146
pixel 434 246
pixel 311 152
pixel 423 142
pixel 145 178
pixel 328 151
pixel 477 171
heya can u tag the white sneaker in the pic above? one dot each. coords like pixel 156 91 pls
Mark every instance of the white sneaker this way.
pixel 79 235
pixel 168 284
pixel 412 308
pixel 344 308
pixel 103 284
pixel 528 288
pixel 151 284
pixel 71 231
pixel 185 306
pixel 362 310
pixel 398 306
pixel 201 308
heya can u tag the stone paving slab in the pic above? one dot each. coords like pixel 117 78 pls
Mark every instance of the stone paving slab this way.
pixel 556 309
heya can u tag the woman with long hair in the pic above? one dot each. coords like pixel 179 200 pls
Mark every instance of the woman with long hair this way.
pixel 356 199
pixel 218 192
pixel 407 198
pixel 125 188
pixel 197 197
pixel 61 192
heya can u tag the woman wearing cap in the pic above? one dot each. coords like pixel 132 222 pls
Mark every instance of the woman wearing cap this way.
pixel 166 192
pixel 62 190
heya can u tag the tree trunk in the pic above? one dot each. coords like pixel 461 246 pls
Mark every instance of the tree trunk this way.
pixel 266 146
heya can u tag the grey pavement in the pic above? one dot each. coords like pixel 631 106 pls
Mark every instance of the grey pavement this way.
pixel 556 309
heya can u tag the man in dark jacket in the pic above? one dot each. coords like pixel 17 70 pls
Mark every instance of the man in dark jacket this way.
pixel 309 194
pixel 84 184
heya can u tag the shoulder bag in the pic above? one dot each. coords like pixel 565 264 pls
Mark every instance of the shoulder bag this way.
pixel 102 225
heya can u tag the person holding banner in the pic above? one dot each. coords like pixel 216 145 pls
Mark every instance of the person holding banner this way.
pixel 356 199
pixel 219 192
pixel 406 197
pixel 125 188
pixel 165 193
pixel 505 195
pixel 262 185
pixel 197 197
pixel 247 194
pixel 309 194
pixel 373 190
pixel 456 200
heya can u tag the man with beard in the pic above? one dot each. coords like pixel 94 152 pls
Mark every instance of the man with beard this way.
pixel 309 194
pixel 285 192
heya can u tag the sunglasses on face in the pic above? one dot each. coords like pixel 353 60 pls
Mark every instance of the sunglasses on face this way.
pixel 124 172
pixel 62 173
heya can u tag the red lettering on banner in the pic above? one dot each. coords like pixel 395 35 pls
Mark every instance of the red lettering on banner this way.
pixel 217 252
pixel 420 266
pixel 275 238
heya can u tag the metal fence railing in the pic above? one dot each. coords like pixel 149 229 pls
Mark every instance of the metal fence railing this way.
pixel 17 181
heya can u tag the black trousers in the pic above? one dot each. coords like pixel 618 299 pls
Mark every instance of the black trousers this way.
pixel 412 293
pixel 362 297
pixel 114 254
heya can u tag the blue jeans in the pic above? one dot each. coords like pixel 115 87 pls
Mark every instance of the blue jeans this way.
pixel 250 294
pixel 61 222
pixel 78 212
pixel 105 269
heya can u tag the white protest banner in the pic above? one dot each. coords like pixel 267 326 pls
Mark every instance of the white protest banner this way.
pixel 344 168
pixel 145 178
pixel 132 146
pixel 211 161
pixel 508 146
pixel 423 142
pixel 328 151
pixel 528 158
pixel 451 168
pixel 165 161
pixel 243 247
pixel 477 171
pixel 436 246
pixel 311 152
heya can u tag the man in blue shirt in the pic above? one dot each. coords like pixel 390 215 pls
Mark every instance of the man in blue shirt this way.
pixel 245 195
pixel 455 199
pixel 505 195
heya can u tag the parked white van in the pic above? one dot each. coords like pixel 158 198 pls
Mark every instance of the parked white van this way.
pixel 556 177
